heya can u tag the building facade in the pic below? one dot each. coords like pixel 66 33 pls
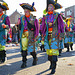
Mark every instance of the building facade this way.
pixel 14 17
pixel 70 12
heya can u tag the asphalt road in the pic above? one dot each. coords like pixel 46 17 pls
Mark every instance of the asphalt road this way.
pixel 65 64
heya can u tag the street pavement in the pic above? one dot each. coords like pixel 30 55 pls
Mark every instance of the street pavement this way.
pixel 65 64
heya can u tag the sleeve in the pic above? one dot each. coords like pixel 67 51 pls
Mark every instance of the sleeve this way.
pixel 74 28
pixel 19 23
pixel 7 22
pixel 36 32
pixel 60 26
pixel 43 30
pixel 66 28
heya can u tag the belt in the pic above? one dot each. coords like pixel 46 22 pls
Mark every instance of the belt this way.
pixel 50 29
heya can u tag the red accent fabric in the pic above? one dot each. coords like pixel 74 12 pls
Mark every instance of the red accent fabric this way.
pixel 25 30
pixel 27 15
pixel 50 29
pixel 51 12
pixel 4 26
pixel 32 29
pixel 1 14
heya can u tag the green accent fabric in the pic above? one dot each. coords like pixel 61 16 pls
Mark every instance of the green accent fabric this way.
pixel 42 42
pixel 2 47
pixel 25 40
pixel 70 42
pixel 24 43
pixel 52 52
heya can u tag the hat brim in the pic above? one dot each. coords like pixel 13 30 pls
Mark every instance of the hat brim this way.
pixel 4 7
pixel 69 18
pixel 57 6
pixel 27 6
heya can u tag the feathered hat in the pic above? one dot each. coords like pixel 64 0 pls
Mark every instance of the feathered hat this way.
pixel 56 5
pixel 28 6
pixel 4 6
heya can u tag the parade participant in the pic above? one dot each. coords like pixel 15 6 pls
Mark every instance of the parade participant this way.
pixel 65 35
pixel 70 34
pixel 42 46
pixel 29 33
pixel 53 32
pixel 40 38
pixel 10 35
pixel 4 24
pixel 15 34
pixel 61 43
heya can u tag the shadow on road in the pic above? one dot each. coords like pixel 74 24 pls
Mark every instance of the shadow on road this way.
pixel 43 72
pixel 14 67
pixel 67 54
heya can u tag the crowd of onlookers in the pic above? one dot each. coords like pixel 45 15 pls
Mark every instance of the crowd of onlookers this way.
pixel 13 35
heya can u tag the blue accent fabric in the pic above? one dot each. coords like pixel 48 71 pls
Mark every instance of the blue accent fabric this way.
pixel 70 37
pixel 22 28
pixel 2 31
pixel 46 42
pixel 30 48
pixel 61 44
pixel 46 45
pixel 65 39
pixel 54 45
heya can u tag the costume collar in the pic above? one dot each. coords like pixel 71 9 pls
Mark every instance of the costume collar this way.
pixel 51 12
pixel 27 16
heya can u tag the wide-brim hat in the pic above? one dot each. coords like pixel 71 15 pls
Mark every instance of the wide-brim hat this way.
pixel 56 5
pixel 4 6
pixel 69 18
pixel 28 6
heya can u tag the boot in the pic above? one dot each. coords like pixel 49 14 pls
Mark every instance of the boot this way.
pixel 44 50
pixel 53 71
pixel 3 59
pixel 53 67
pixel 41 47
pixel 0 59
pixel 34 62
pixel 60 50
pixel 3 56
pixel 34 58
pixel 23 65
pixel 24 59
pixel 67 48
pixel 50 66
pixel 71 46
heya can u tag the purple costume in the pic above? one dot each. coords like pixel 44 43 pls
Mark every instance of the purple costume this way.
pixel 52 37
pixel 32 34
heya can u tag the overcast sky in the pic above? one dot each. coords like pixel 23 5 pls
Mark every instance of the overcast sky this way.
pixel 40 5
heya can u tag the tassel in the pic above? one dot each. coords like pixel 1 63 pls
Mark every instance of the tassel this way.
pixel 55 2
